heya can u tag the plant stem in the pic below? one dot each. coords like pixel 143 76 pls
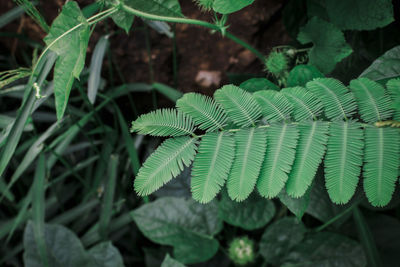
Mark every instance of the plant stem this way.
pixel 205 24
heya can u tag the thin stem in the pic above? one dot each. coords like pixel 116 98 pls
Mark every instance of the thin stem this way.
pixel 205 24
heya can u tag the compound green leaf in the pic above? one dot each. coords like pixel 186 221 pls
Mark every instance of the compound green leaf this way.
pixel 393 87
pixel 68 37
pixel 250 150
pixel 309 152
pixel 343 160
pixel 360 14
pixel 274 106
pixel 280 238
pixel 240 105
pixel 281 144
pixel 164 122
pixel 381 168
pixel 328 250
pixel 253 213
pixel 258 84
pixel 338 101
pixel 230 6
pixel 164 164
pixel 329 44
pixel 385 67
pixel 168 8
pixel 211 165
pixel 186 225
pixel 373 102
pixel 205 112
pixel 306 106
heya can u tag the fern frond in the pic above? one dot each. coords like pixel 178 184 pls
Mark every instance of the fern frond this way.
pixel 306 106
pixel 274 106
pixel 343 160
pixel 338 101
pixel 393 87
pixel 373 103
pixel 164 122
pixel 207 114
pixel 211 165
pixel 309 152
pixel 240 105
pixel 281 144
pixel 250 150
pixel 381 168
pixel 165 163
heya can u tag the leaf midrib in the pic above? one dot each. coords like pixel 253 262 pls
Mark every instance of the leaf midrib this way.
pixel 215 121
pixel 335 97
pixel 375 104
pixel 244 111
pixel 245 159
pixel 277 154
pixel 343 158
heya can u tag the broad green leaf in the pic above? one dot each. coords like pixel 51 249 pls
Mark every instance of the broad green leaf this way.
pixel 68 37
pixel 393 87
pixel 184 224
pixel 64 247
pixel 279 157
pixel 249 156
pixel 301 74
pixel 96 64
pixel 121 18
pixel 329 44
pixel 211 165
pixel 164 164
pixel 326 250
pixel 168 8
pixel 106 255
pixel 230 6
pixel 385 67
pixel 381 167
pixel 343 160
pixel 240 105
pixel 338 101
pixel 297 206
pixel 306 106
pixel 164 122
pixel 258 84
pixel 309 153
pixel 280 238
pixel 206 113
pixel 170 262
pixel 360 14
pixel 253 213
pixel 274 105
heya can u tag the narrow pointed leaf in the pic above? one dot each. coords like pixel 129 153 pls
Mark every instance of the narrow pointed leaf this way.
pixel 281 144
pixel 163 122
pixel 205 112
pixel 96 64
pixel 250 150
pixel 381 167
pixel 71 48
pixel 306 106
pixel 338 101
pixel 164 164
pixel 211 165
pixel 274 105
pixel 374 104
pixel 310 150
pixel 343 160
pixel 240 105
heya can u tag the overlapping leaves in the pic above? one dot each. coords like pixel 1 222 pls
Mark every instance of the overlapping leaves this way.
pixel 273 139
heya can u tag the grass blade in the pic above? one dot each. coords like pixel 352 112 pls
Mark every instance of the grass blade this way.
pixel 108 200
pixel 38 207
pixel 96 64
pixel 167 91
pixel 10 16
